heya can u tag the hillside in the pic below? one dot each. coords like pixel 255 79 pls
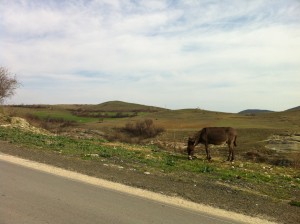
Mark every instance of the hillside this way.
pixel 255 111
pixel 110 106
pixel 294 109
pixel 128 107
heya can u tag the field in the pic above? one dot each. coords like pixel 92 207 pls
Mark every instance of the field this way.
pixel 255 132
pixel 267 156
pixel 104 121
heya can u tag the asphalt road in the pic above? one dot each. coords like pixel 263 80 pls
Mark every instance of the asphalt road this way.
pixel 31 196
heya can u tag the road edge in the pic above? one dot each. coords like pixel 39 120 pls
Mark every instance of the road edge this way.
pixel 160 198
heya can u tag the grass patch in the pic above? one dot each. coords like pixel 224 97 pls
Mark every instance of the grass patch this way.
pixel 65 115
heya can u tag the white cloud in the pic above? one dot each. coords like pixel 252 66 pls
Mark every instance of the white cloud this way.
pixel 180 54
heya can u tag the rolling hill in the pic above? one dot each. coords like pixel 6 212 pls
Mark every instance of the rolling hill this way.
pixel 260 111
pixel 124 106
pixel 255 111
pixel 294 109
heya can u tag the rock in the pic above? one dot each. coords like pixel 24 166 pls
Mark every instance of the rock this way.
pixel 283 142
pixel 94 155
pixel 17 122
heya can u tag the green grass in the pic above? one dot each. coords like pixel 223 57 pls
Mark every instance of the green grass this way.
pixel 277 182
pixel 66 115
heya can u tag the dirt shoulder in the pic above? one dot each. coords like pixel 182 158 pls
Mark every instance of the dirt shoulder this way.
pixel 193 188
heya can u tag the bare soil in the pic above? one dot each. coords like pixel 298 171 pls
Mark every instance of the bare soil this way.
pixel 188 186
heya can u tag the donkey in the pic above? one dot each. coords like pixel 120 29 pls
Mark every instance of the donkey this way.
pixel 215 136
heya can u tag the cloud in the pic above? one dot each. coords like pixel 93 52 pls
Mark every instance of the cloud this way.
pixel 175 53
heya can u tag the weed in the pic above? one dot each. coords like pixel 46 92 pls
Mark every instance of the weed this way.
pixel 170 161
pixel 106 153
pixel 207 169
pixel 295 203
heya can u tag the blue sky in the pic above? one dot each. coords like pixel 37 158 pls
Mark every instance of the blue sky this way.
pixel 215 55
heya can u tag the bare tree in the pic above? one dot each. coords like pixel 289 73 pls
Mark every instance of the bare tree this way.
pixel 8 84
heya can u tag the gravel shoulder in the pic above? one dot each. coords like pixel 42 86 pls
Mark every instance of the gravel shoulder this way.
pixel 193 188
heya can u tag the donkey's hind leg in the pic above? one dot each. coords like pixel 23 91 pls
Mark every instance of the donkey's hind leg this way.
pixel 230 151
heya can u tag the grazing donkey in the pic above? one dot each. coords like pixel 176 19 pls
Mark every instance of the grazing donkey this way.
pixel 215 136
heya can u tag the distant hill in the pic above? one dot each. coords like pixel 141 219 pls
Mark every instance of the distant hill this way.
pixel 255 111
pixel 124 106
pixel 110 106
pixel 294 109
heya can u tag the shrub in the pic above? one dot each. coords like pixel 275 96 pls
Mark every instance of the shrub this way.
pixel 255 156
pixel 144 129
pixel 49 123
pixel 282 162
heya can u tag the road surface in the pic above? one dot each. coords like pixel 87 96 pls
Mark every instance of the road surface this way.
pixel 32 196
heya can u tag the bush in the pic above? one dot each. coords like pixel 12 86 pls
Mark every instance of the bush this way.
pixel 49 123
pixel 256 157
pixel 144 129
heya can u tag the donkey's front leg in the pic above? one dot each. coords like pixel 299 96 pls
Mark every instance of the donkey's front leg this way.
pixel 207 152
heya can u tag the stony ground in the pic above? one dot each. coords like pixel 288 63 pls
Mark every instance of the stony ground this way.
pixel 188 186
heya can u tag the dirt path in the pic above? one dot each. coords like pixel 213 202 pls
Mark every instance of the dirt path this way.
pixel 190 187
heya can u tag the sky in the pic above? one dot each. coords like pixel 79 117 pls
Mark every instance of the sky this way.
pixel 219 55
